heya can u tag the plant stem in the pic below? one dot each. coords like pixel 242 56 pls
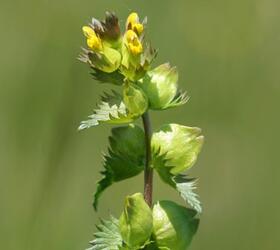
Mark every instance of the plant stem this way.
pixel 148 171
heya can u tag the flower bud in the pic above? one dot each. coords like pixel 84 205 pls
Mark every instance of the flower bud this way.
pixel 173 225
pixel 93 40
pixel 132 49
pixel 133 43
pixel 136 221
pixel 179 144
pixel 134 99
pixel 134 24
pixel 102 37
pixel 160 85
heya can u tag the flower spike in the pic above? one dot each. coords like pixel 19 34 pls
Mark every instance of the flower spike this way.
pixel 125 60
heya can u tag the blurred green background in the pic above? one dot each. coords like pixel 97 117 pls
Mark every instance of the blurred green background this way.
pixel 228 56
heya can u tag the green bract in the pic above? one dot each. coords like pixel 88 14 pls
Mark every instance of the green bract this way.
pixel 173 225
pixel 107 60
pixel 108 236
pixel 178 144
pixel 136 221
pixel 130 64
pixel 111 110
pixel 124 59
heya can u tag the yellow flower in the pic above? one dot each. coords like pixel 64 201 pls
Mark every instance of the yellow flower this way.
pixel 133 23
pixel 133 43
pixel 93 41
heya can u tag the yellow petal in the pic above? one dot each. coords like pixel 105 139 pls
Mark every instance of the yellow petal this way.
pixel 133 42
pixel 132 19
pixel 139 28
pixel 93 41
pixel 88 32
pixel 133 23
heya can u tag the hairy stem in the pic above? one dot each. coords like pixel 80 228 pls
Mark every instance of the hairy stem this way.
pixel 148 172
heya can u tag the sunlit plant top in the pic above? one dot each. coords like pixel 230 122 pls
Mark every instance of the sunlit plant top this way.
pixel 124 59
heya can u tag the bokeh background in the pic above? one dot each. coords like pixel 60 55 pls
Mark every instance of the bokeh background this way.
pixel 228 56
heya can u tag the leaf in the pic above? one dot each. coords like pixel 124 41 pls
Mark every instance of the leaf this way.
pixel 186 189
pixel 125 157
pixel 108 60
pixel 108 236
pixel 184 185
pixel 110 110
pixel 180 99
pixel 114 78
pixel 149 54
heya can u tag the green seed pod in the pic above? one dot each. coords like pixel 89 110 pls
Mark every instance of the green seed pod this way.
pixel 173 225
pixel 135 99
pixel 136 221
pixel 160 85
pixel 180 146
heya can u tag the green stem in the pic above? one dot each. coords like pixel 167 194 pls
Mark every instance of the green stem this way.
pixel 148 171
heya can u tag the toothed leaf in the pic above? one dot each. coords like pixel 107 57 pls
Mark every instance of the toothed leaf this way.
pixel 185 186
pixel 180 99
pixel 108 236
pixel 125 157
pixel 111 110
pixel 102 77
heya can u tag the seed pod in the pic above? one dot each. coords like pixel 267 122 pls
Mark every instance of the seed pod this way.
pixel 179 145
pixel 134 99
pixel 160 85
pixel 173 225
pixel 136 221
